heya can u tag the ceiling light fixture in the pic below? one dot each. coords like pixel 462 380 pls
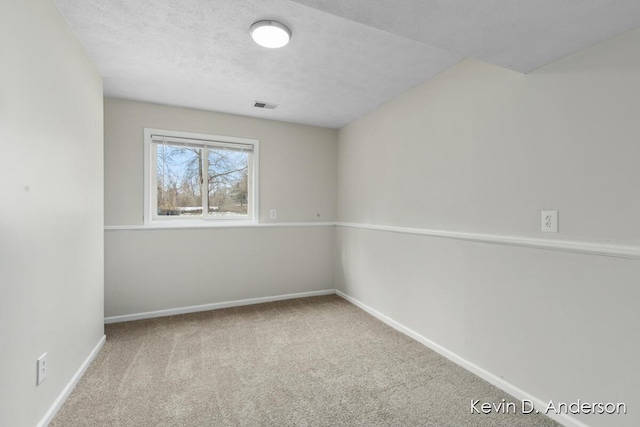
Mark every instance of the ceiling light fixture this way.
pixel 270 34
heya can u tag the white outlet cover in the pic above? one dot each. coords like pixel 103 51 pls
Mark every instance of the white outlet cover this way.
pixel 550 221
pixel 273 214
pixel 42 369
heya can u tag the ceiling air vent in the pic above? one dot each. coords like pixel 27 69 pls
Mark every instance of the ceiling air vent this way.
pixel 265 105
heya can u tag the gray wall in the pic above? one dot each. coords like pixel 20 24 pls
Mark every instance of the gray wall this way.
pixel 148 270
pixel 483 150
pixel 51 215
pixel 166 269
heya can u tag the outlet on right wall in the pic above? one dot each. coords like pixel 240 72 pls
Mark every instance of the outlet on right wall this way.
pixel 483 150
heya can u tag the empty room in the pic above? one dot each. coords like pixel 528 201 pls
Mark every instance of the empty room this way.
pixel 320 213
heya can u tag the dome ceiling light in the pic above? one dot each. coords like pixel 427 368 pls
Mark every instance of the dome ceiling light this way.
pixel 270 34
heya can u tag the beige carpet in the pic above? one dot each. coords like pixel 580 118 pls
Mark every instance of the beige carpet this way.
pixel 307 362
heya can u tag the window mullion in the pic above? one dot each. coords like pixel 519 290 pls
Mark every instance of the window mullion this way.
pixel 205 182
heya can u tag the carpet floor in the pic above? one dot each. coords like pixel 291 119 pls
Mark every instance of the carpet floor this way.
pixel 316 361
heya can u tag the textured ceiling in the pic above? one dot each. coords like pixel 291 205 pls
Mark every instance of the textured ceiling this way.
pixel 345 57
pixel 518 34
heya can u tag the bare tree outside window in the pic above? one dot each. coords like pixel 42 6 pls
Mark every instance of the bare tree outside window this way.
pixel 181 182
pixel 179 188
pixel 228 182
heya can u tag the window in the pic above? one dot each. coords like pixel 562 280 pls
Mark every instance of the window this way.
pixel 192 176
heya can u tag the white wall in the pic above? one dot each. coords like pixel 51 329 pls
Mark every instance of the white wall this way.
pixel 148 270
pixel 51 209
pixel 483 150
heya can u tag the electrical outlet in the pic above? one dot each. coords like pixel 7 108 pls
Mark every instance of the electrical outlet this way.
pixel 273 213
pixel 550 221
pixel 42 369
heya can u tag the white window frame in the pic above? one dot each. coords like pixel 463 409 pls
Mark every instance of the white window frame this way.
pixel 150 184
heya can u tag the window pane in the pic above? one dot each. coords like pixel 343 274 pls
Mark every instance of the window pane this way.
pixel 179 177
pixel 228 182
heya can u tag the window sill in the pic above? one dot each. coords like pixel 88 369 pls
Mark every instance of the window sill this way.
pixel 226 224
pixel 223 223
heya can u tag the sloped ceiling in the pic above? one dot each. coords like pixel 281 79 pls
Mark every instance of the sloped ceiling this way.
pixel 345 58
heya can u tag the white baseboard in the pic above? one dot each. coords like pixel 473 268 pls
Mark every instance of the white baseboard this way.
pixel 214 306
pixel 516 392
pixel 57 404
